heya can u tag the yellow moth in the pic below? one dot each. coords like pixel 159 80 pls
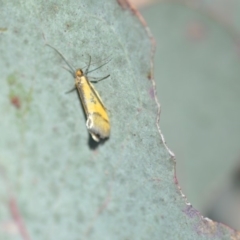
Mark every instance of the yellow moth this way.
pixel 97 123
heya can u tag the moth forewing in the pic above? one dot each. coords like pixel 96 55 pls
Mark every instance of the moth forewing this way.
pixel 97 118
pixel 97 126
pixel 97 95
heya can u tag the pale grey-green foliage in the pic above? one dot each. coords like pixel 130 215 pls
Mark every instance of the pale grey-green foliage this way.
pixel 64 187
pixel 197 74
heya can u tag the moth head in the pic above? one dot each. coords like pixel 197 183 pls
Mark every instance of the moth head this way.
pixel 79 72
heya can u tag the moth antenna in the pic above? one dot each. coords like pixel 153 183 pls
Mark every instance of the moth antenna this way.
pixel 65 60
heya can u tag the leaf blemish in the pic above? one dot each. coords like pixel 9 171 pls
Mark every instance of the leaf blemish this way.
pixel 15 101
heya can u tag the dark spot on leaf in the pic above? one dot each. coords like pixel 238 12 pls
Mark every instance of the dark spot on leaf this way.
pixel 15 101
pixel 149 76
pixel 196 31
pixel 151 92
pixel 190 211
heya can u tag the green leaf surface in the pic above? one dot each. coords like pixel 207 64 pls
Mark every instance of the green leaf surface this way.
pixel 55 182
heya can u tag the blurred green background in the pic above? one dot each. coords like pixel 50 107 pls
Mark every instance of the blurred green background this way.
pixel 197 70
